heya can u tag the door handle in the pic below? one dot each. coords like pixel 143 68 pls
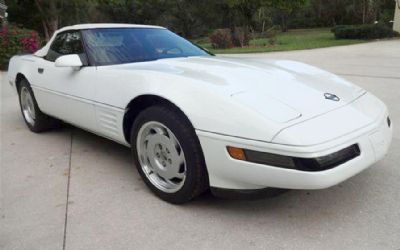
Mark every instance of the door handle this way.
pixel 40 70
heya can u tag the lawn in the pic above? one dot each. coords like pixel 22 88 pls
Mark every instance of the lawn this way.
pixel 291 40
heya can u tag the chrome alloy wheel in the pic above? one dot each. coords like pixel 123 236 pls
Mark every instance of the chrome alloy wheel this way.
pixel 161 157
pixel 27 105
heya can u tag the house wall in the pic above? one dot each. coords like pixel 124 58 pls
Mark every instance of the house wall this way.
pixel 396 25
pixel 3 9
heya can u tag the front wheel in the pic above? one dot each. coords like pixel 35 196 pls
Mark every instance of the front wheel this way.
pixel 168 155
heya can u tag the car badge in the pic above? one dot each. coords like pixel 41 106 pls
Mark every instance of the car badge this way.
pixel 331 97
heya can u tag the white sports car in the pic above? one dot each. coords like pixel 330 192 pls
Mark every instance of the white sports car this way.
pixel 195 121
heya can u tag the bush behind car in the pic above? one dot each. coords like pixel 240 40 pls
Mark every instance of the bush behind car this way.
pixel 365 31
pixel 15 40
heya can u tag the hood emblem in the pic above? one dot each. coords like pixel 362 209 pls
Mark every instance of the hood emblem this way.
pixel 331 97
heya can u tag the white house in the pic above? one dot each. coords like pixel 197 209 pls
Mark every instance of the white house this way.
pixel 396 24
pixel 3 8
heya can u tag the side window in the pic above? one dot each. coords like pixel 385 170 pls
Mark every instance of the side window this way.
pixel 65 44
pixel 54 50
pixel 72 44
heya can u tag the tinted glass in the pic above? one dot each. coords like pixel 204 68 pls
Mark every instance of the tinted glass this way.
pixel 65 44
pixel 126 45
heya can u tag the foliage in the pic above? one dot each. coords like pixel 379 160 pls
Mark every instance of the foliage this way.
pixel 319 13
pixel 291 40
pixel 241 36
pixel 365 31
pixel 23 13
pixel 14 40
pixel 271 34
pixel 226 38
pixel 337 27
pixel 46 16
pixel 284 8
pixel 221 39
pixel 192 18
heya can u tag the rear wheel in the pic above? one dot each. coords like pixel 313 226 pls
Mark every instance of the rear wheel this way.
pixel 34 118
pixel 168 155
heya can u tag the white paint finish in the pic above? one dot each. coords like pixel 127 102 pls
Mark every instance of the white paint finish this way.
pixel 110 121
pixel 262 103
pixel 65 92
pixel 226 172
pixel 272 102
pixel 109 202
pixel 346 120
pixel 69 61
pixel 217 79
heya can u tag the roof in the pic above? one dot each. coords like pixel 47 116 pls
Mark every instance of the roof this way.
pixel 107 25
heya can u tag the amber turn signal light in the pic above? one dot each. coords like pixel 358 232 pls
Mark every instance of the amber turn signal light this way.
pixel 236 153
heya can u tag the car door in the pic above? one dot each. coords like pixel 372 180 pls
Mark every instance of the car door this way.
pixel 66 92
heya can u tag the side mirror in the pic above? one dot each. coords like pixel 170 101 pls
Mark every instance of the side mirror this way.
pixel 69 61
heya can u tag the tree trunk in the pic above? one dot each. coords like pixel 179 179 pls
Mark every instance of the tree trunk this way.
pixel 49 17
pixel 53 21
pixel 263 27
pixel 364 10
pixel 284 27
pixel 46 31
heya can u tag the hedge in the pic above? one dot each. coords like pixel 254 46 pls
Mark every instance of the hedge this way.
pixel 365 31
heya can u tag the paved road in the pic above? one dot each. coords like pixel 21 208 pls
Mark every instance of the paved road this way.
pixel 71 189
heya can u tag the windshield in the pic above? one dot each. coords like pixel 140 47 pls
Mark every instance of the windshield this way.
pixel 127 45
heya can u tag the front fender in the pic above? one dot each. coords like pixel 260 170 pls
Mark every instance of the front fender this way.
pixel 208 106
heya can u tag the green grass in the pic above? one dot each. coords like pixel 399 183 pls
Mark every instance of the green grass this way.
pixel 291 40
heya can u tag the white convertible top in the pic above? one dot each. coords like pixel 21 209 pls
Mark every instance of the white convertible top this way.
pixel 43 51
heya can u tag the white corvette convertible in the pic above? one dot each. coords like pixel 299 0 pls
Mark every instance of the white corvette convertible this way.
pixel 195 121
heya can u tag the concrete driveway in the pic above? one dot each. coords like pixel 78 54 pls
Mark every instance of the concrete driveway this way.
pixel 73 190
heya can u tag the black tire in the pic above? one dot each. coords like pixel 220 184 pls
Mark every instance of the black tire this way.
pixel 41 122
pixel 196 181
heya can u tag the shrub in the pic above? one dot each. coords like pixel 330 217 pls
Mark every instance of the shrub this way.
pixel 241 36
pixel 365 31
pixel 221 39
pixel 271 34
pixel 337 27
pixel 14 40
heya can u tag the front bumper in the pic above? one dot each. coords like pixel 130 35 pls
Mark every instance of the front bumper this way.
pixel 228 173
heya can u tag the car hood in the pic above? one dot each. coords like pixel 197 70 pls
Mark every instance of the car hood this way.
pixel 291 89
